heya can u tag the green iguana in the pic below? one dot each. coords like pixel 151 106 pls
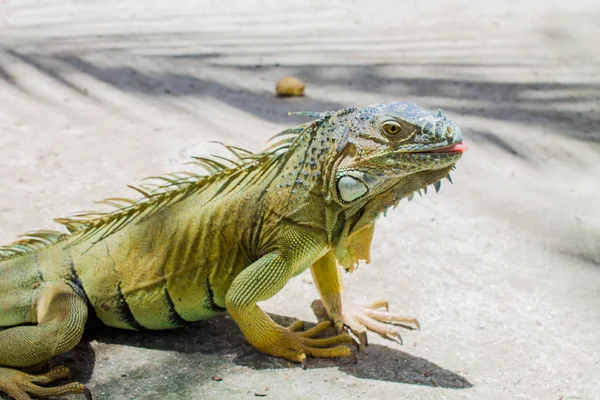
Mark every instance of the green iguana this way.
pixel 197 246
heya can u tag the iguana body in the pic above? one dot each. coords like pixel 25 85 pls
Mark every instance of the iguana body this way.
pixel 200 246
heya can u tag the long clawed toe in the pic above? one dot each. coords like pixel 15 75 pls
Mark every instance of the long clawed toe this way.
pixel 380 303
pixel 21 385
pixel 303 344
pixel 361 318
pixel 392 318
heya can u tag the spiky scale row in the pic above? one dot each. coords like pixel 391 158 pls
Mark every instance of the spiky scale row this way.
pixel 176 186
pixel 437 186
pixel 30 242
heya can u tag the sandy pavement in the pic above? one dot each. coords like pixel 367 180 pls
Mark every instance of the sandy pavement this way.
pixel 502 269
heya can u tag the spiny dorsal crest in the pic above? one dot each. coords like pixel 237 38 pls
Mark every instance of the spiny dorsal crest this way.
pixel 167 189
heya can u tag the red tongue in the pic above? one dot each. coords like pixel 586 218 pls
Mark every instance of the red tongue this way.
pixel 458 147
pixel 455 148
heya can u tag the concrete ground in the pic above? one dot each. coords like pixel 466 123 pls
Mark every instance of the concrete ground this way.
pixel 502 269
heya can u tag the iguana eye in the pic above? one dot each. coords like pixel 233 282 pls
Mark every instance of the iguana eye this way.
pixel 391 128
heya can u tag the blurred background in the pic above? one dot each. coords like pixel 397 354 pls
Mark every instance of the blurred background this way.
pixel 502 269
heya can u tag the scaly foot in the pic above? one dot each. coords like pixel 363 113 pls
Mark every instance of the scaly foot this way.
pixel 295 345
pixel 20 385
pixel 361 318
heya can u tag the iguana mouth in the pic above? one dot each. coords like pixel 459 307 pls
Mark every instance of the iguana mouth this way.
pixel 455 148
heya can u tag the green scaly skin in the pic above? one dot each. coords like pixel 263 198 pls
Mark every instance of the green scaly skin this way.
pixel 198 246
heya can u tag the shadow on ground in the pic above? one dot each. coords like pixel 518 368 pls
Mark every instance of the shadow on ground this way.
pixel 221 340
pixel 544 104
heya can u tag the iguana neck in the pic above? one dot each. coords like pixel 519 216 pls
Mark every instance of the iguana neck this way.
pixel 300 187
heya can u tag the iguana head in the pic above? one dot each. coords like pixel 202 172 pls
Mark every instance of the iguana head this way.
pixel 373 157
pixel 392 150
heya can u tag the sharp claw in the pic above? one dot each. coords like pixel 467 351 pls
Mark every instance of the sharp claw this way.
pixel 395 337
pixel 354 358
pixel 303 359
pixel 362 337
pixel 408 327
pixel 378 304
pixel 417 324
pixel 87 393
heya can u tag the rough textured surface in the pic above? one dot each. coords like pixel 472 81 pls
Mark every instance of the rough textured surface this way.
pixel 502 270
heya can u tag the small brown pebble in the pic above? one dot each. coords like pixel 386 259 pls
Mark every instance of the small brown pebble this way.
pixel 217 378
pixel 289 86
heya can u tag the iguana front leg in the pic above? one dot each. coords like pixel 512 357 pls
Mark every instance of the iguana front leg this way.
pixel 262 280
pixel 61 316
pixel 356 317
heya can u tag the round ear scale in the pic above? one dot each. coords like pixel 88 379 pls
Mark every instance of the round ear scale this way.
pixel 351 188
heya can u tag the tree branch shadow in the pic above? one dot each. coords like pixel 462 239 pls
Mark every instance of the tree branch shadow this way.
pixel 171 75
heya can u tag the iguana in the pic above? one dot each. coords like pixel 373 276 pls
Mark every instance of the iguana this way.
pixel 197 246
